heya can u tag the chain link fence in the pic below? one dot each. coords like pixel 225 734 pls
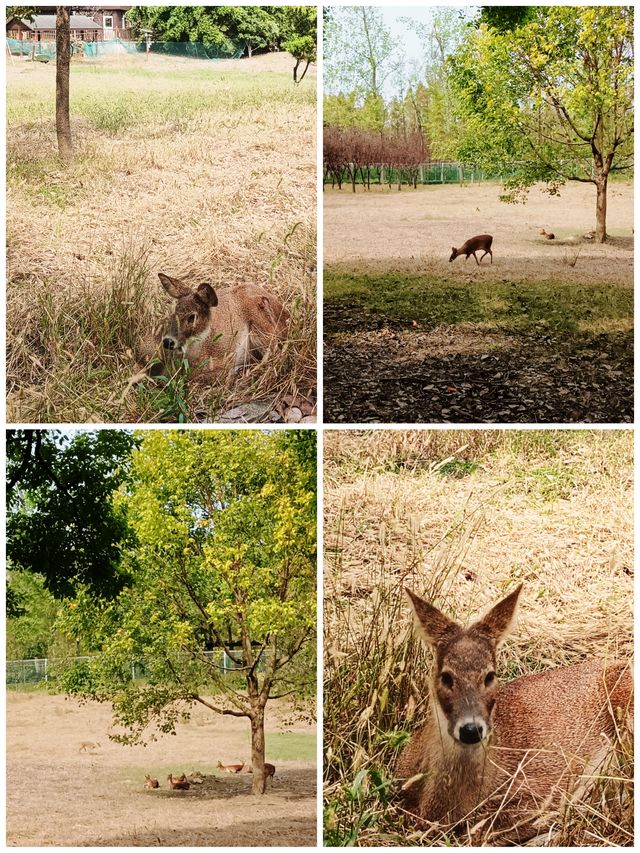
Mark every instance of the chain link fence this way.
pixel 38 670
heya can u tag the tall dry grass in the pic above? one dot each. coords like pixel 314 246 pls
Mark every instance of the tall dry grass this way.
pixel 461 517
pixel 203 171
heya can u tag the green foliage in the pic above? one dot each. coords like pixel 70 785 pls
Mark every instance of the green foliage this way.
pixel 291 28
pixel 359 51
pixel 225 559
pixel 550 98
pixel 505 18
pixel 299 28
pixel 29 628
pixel 62 521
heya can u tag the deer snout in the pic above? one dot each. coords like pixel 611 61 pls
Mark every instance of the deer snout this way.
pixel 168 343
pixel 472 731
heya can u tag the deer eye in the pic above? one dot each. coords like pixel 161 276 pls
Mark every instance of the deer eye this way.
pixel 447 680
pixel 489 678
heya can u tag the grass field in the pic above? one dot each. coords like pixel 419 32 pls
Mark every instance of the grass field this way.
pixel 202 170
pixel 543 334
pixel 461 517
pixel 97 798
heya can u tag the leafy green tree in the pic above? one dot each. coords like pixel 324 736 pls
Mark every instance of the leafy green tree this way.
pixel 299 29
pixel 550 99
pixel 31 630
pixel 224 562
pixel 61 521
pixel 252 25
pixel 180 24
pixel 359 51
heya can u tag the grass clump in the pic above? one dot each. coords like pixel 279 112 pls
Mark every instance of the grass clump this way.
pixel 551 509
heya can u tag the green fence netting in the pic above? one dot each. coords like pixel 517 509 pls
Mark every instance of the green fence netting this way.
pixel 115 47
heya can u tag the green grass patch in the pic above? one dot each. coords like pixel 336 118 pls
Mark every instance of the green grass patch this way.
pixel 512 306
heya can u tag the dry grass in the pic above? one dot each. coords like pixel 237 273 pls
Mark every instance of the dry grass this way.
pixel 203 171
pixel 461 517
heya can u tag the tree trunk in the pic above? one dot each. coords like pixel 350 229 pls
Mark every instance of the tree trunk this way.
pixel 63 61
pixel 601 208
pixel 257 750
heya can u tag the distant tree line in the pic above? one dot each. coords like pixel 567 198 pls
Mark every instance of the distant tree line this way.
pixel 258 28
pixel 384 156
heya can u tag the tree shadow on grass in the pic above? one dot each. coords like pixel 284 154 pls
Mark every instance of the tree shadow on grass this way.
pixel 402 376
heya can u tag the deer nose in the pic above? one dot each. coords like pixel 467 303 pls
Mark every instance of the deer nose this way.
pixel 471 733
pixel 168 343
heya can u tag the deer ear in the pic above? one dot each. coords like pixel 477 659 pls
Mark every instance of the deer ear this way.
pixel 207 294
pixel 174 286
pixel 497 623
pixel 433 626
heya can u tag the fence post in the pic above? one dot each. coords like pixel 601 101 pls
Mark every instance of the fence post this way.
pixel 46 669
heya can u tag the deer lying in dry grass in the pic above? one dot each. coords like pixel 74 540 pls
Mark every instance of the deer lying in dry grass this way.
pixel 150 783
pixel 218 332
pixel 509 753
pixel 179 784
pixel 231 768
pixel 473 245
pixel 548 235
pixel 88 746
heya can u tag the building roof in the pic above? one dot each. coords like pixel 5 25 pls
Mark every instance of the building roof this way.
pixel 48 22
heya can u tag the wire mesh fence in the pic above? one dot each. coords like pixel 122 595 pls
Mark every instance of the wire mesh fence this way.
pixel 44 51
pixel 38 670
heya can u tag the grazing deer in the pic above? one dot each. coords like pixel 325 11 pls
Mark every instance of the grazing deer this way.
pixel 506 752
pixel 269 770
pixel 548 235
pixel 150 783
pixel 178 784
pixel 473 245
pixel 88 746
pixel 222 331
pixel 231 768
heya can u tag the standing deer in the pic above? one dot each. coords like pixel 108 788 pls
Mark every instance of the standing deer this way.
pixel 473 245
pixel 269 771
pixel 218 331
pixel 505 752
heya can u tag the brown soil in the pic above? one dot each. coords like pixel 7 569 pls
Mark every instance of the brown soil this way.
pixel 59 796
pixel 415 229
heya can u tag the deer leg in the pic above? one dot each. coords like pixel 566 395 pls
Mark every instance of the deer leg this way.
pixel 476 257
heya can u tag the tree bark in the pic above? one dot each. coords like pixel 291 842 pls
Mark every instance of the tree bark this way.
pixel 601 208
pixel 63 61
pixel 257 750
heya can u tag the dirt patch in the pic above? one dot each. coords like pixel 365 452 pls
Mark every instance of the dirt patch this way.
pixel 96 798
pixel 466 375
pixel 417 228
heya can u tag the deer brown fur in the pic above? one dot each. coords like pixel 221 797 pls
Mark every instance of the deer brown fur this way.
pixel 473 245
pixel 509 752
pixel 217 331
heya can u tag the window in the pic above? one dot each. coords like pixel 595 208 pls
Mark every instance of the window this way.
pixel 107 22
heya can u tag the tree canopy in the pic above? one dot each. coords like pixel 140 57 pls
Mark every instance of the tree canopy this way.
pixel 62 522
pixel 549 98
pixel 224 561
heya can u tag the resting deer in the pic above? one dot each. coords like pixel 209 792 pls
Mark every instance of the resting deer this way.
pixel 88 746
pixel 473 245
pixel 150 783
pixel 506 752
pixel 218 331
pixel 231 768
pixel 178 784
pixel 548 235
